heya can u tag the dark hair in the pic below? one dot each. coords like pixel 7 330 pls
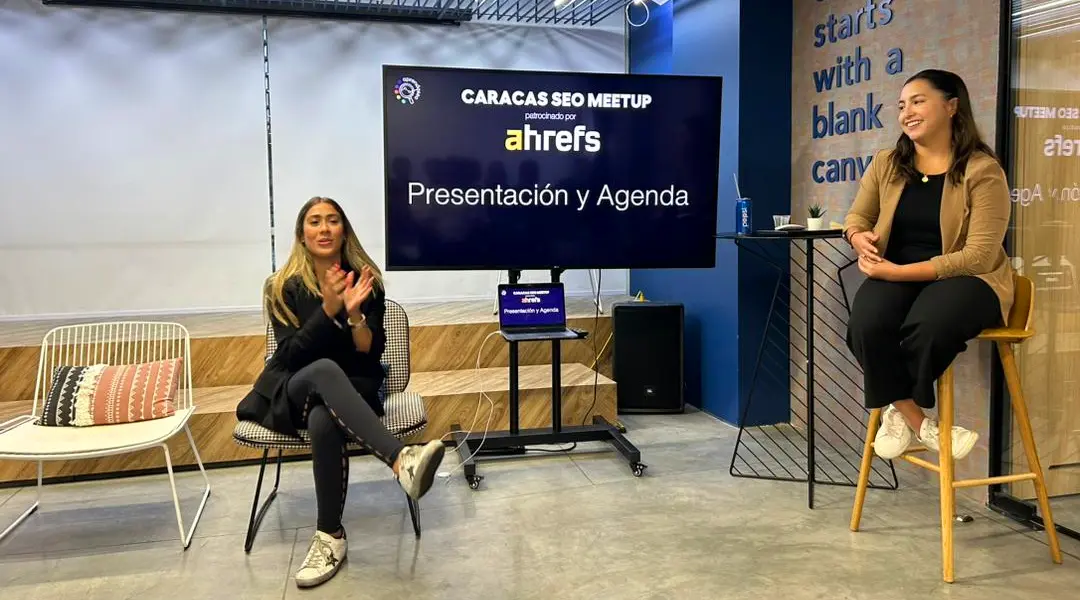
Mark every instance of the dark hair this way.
pixel 966 140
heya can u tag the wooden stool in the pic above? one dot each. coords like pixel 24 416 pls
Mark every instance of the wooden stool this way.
pixel 1018 329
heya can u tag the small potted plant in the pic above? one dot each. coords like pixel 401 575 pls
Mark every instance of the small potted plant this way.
pixel 816 217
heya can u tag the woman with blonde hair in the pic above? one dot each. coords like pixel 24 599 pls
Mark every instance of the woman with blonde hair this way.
pixel 326 306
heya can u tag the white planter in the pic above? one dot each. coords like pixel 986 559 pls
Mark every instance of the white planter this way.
pixel 815 223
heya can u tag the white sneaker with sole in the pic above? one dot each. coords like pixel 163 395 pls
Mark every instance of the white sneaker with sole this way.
pixel 323 560
pixel 894 436
pixel 417 467
pixel 963 440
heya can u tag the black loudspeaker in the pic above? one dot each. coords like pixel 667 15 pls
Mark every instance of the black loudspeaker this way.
pixel 647 357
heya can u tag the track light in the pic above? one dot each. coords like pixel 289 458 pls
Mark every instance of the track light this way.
pixel 641 3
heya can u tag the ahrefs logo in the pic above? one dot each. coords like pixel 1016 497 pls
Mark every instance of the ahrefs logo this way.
pixel 407 90
pixel 547 140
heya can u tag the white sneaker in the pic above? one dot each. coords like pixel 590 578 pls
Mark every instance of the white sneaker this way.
pixel 417 468
pixel 963 440
pixel 323 560
pixel 894 436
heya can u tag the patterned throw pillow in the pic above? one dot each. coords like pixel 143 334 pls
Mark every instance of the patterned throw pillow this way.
pixel 112 394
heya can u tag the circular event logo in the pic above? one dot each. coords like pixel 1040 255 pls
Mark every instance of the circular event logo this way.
pixel 407 90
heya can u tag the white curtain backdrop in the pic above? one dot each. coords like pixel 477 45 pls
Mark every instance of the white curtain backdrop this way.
pixel 133 159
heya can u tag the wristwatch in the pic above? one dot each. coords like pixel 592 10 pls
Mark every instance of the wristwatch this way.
pixel 355 324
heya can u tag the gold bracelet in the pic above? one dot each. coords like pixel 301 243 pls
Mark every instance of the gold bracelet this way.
pixel 362 323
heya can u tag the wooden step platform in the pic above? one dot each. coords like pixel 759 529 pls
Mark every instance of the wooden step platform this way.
pixel 238 359
pixel 453 397
pixel 450 396
pixel 228 352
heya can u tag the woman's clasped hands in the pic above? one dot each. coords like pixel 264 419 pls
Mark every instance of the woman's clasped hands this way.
pixel 344 290
pixel 870 261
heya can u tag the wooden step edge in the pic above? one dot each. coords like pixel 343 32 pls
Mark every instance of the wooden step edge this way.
pixel 585 321
pixel 223 399
pixel 204 337
pixel 219 399
pixel 497 379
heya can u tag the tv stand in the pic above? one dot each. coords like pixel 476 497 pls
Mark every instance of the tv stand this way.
pixel 514 439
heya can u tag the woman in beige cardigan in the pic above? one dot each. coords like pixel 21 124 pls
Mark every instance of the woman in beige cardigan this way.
pixel 928 225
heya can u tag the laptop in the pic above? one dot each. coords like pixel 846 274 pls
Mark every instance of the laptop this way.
pixel 533 312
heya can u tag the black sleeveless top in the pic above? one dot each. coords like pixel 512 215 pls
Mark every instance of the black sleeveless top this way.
pixel 916 229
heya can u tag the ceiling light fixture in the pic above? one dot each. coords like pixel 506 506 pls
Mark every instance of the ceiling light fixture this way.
pixel 642 3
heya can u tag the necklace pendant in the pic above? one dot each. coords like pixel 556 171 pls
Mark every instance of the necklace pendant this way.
pixel 925 179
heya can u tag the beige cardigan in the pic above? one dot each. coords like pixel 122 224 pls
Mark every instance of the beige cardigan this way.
pixel 974 219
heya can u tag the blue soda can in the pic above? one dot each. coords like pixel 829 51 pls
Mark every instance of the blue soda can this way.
pixel 743 220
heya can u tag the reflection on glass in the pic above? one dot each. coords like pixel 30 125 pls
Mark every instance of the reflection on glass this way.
pixel 1045 176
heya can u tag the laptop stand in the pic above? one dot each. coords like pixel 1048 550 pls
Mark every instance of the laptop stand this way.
pixel 514 439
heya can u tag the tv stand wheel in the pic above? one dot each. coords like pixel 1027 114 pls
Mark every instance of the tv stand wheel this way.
pixel 474 482
pixel 638 469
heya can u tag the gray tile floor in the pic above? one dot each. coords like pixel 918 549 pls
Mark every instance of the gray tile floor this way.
pixel 546 527
pixel 1066 510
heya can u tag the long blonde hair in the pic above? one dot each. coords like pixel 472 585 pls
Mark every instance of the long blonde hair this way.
pixel 300 264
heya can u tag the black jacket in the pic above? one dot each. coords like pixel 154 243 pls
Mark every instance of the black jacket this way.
pixel 317 337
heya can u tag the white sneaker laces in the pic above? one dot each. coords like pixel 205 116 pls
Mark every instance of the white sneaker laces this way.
pixel 894 425
pixel 931 432
pixel 319 555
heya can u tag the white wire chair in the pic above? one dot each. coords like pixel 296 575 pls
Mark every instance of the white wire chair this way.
pixel 118 343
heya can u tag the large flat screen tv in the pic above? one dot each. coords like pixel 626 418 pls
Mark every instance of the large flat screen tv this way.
pixel 491 169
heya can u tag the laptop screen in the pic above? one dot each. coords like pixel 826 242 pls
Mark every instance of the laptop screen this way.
pixel 532 305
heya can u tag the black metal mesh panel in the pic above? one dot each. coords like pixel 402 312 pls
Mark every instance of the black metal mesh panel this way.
pixel 781 451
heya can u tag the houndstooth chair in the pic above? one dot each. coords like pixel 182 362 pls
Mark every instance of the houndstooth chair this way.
pixel 405 416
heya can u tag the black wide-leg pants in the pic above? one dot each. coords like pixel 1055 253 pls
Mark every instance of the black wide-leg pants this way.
pixel 904 335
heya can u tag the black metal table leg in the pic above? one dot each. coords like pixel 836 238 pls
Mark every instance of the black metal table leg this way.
pixel 790 449
pixel 810 466
pixel 760 352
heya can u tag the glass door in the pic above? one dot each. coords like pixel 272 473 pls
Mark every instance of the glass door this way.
pixel 1042 157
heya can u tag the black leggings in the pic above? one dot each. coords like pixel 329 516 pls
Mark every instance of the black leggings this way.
pixel 335 414
pixel 905 335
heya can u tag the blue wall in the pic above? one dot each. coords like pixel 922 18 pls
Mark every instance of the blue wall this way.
pixel 765 173
pixel 649 47
pixel 749 45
